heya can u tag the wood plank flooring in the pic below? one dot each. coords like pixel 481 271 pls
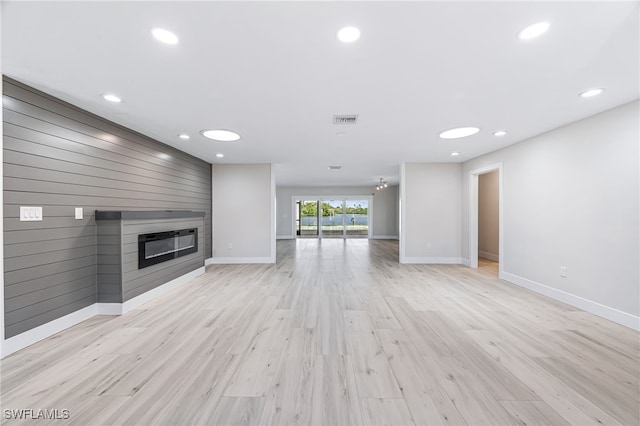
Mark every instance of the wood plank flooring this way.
pixel 335 333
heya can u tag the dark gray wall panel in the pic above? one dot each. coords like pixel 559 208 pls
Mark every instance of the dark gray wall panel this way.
pixel 87 274
pixel 117 134
pixel 47 258
pixel 109 261
pixel 37 307
pixel 27 249
pixel 119 278
pixel 60 157
pixel 137 281
pixel 144 284
pixel 47 316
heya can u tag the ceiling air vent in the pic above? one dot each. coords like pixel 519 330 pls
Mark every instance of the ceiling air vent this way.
pixel 345 119
pixel 335 167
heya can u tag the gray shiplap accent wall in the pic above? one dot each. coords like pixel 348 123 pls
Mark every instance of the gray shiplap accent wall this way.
pixel 137 281
pixel 60 157
pixel 119 278
pixel 109 261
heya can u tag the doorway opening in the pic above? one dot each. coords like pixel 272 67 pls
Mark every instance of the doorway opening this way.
pixel 332 217
pixel 488 222
pixel 485 219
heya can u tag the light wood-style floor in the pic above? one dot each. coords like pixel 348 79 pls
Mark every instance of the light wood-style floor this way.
pixel 336 333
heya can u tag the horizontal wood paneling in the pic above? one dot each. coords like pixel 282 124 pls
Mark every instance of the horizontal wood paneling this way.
pixel 47 316
pixel 17 91
pixel 137 281
pixel 48 258
pixel 87 273
pixel 109 278
pixel 26 249
pixel 153 280
pixel 60 157
pixel 39 307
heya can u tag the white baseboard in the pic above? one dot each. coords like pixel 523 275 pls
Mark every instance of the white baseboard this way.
pixel 234 260
pixel 208 261
pixel 487 255
pixel 465 262
pixel 43 331
pixel 431 260
pixel 595 308
pixel 285 237
pixel 108 308
pixel 384 237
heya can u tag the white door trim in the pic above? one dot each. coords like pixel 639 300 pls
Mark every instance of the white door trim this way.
pixel 473 214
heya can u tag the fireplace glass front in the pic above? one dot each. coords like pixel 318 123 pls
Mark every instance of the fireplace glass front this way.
pixel 160 247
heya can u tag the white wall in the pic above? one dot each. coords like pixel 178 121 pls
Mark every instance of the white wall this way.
pixel 243 213
pixel 488 198
pixel 571 198
pixel 430 222
pixel 386 217
pixel 384 208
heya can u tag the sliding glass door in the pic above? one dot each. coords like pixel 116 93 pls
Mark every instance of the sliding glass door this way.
pixel 307 218
pixel 337 217
pixel 332 218
pixel 357 218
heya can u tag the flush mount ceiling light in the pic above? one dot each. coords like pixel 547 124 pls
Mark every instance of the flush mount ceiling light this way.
pixel 459 132
pixel 533 31
pixel 111 98
pixel 591 92
pixel 184 136
pixel 348 34
pixel 455 153
pixel 220 155
pixel 499 133
pixel 221 135
pixel 164 36
pixel 381 185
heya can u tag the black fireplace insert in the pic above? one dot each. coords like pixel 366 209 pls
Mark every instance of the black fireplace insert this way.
pixel 163 246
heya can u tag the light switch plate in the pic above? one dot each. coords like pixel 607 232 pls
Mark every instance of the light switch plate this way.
pixel 30 214
pixel 79 213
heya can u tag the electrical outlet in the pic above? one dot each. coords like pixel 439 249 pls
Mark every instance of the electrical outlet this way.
pixel 428 246
pixel 79 213
pixel 229 246
pixel 563 271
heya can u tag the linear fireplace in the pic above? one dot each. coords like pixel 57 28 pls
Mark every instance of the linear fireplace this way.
pixel 160 247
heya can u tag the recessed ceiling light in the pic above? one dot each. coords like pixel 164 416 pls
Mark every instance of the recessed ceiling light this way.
pixel 164 156
pixel 499 133
pixel 533 31
pixel 111 97
pixel 591 92
pixel 164 36
pixel 220 155
pixel 348 34
pixel 221 135
pixel 455 154
pixel 184 136
pixel 460 132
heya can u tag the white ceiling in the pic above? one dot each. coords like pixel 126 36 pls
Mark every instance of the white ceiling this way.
pixel 275 73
